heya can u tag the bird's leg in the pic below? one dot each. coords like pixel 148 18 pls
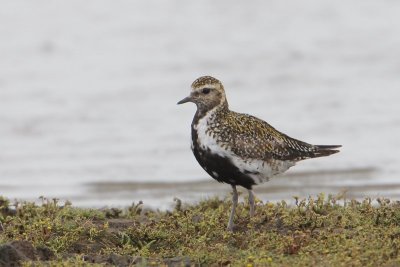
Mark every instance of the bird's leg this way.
pixel 251 202
pixel 234 204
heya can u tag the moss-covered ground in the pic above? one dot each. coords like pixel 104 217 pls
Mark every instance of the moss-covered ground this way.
pixel 326 231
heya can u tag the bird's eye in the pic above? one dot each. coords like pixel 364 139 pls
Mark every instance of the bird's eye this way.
pixel 206 90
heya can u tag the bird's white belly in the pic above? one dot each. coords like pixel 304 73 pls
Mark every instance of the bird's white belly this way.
pixel 259 170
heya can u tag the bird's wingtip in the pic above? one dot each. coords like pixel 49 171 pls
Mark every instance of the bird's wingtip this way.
pixel 327 147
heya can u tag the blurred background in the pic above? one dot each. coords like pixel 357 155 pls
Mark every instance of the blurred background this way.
pixel 88 93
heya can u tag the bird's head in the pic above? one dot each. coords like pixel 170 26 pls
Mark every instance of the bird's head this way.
pixel 207 93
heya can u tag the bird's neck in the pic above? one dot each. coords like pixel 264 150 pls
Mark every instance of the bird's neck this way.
pixel 204 111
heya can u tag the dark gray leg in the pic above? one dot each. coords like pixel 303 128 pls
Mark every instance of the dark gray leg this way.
pixel 251 203
pixel 234 204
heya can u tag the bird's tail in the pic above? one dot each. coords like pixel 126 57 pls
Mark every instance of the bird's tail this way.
pixel 325 150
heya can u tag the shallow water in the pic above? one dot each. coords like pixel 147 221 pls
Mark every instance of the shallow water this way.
pixel 88 94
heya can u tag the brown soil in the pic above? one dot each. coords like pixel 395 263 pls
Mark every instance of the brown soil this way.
pixel 12 253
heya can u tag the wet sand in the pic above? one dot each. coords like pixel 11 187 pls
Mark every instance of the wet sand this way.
pixel 355 183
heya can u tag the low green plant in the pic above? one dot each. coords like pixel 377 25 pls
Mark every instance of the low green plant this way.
pixel 322 231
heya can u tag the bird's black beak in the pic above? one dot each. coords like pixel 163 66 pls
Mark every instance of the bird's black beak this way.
pixel 185 100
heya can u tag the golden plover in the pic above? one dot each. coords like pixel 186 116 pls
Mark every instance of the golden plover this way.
pixel 240 149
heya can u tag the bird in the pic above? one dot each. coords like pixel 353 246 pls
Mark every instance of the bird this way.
pixel 239 149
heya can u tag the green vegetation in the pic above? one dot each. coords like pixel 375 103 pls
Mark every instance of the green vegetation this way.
pixel 328 231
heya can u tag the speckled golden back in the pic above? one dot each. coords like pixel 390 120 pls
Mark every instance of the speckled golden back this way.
pixel 252 138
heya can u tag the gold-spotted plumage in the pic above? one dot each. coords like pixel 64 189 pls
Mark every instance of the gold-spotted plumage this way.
pixel 250 137
pixel 205 80
pixel 240 149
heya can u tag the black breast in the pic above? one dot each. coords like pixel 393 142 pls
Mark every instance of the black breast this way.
pixel 220 168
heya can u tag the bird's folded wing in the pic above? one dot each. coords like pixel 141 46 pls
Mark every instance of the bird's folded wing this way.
pixel 253 138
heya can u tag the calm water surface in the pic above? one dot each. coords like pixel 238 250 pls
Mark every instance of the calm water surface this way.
pixel 88 94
